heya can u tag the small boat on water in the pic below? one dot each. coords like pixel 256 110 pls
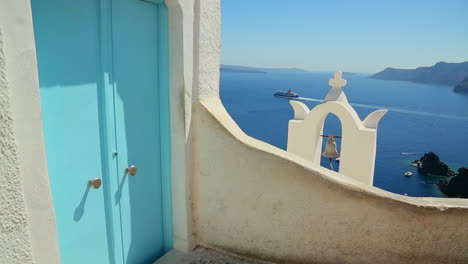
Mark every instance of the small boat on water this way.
pixel 287 94
pixel 408 173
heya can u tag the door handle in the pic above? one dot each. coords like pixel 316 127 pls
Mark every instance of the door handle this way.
pixel 132 170
pixel 95 183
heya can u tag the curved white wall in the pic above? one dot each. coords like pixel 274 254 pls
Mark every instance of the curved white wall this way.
pixel 256 200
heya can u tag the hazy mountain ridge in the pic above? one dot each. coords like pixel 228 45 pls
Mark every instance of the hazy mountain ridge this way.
pixel 441 73
pixel 246 69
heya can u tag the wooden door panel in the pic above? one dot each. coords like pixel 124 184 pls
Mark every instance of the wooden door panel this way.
pixel 136 62
pixel 68 50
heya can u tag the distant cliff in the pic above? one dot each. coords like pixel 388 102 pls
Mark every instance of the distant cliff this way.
pixel 462 87
pixel 441 73
pixel 240 69
pixel 246 69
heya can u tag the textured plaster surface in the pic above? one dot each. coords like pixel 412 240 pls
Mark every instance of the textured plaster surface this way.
pixel 256 200
pixel 27 216
pixel 15 239
pixel 209 48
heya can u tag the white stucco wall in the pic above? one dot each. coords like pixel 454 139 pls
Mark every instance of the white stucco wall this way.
pixel 27 220
pixel 14 233
pixel 181 38
pixel 208 48
pixel 194 57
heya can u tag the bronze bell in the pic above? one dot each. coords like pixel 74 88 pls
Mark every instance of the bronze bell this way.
pixel 330 149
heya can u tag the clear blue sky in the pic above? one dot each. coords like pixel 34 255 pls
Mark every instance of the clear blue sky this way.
pixel 347 35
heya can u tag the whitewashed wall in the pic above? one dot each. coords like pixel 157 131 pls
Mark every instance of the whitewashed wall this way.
pixel 27 220
pixel 194 29
pixel 181 43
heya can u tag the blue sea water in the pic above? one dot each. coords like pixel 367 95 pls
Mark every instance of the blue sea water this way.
pixel 421 118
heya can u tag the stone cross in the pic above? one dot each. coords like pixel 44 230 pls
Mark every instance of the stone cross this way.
pixel 337 81
pixel 336 93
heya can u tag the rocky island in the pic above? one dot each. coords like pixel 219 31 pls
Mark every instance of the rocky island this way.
pixel 442 73
pixel 455 185
pixel 462 87
pixel 431 164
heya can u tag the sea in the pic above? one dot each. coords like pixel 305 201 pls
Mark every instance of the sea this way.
pixel 421 118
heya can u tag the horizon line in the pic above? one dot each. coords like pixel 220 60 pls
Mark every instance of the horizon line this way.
pixel 308 70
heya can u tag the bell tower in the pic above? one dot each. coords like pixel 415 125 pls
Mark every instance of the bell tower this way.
pixel 359 138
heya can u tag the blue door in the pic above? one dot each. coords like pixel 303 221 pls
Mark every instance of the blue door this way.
pixel 103 72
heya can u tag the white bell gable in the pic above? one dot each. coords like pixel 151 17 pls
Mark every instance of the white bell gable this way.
pixel 359 138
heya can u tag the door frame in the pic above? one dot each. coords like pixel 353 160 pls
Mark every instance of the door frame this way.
pixel 165 124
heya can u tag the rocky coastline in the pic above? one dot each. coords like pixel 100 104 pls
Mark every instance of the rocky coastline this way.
pixel 454 185
pixel 442 73
pixel 457 186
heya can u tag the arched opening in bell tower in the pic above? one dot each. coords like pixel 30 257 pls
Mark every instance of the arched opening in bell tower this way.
pixel 332 127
